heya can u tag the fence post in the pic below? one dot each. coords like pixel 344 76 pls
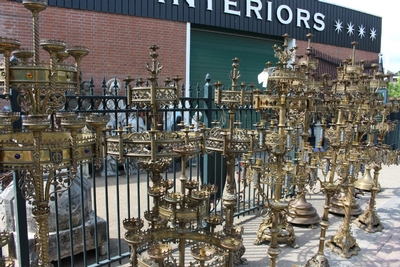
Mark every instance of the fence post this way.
pixel 206 161
pixel 208 100
pixel 214 165
pixel 20 203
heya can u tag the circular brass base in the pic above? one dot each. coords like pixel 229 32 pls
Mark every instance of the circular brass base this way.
pixel 317 260
pixel 365 184
pixel 302 213
pixel 285 233
pixel 337 206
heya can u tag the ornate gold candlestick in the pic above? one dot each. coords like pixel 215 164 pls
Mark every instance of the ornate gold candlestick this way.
pixel 327 162
pixel 376 156
pixel 231 142
pixel 287 103
pixel 46 161
pixel 134 236
pixel 355 117
pixel 302 212
pixel 176 217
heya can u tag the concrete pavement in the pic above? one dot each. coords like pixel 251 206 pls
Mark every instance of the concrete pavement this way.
pixel 381 249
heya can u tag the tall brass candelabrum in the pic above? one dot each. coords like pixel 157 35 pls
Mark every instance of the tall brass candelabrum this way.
pixel 46 160
pixel 231 142
pixel 287 103
pixel 376 155
pixel 302 212
pixel 176 216
pixel 353 106
pixel 355 97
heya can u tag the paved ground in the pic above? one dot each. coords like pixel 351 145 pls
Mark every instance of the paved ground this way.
pixel 377 249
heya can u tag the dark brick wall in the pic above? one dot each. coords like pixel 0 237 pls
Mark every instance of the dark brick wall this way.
pixel 337 52
pixel 118 44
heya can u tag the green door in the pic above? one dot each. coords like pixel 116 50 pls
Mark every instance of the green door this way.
pixel 212 52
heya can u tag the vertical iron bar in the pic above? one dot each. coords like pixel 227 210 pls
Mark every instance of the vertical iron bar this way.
pixel 138 193
pixel 118 210
pixel 57 230
pixel 83 217
pixel 21 224
pixel 96 238
pixel 71 238
pixel 128 191
pixel 106 206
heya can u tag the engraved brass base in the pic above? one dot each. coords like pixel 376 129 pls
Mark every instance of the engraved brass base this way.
pixel 344 244
pixel 302 213
pixel 317 260
pixel 369 221
pixel 285 229
pixel 337 204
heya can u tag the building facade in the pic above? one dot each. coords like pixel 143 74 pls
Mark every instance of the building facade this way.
pixel 195 37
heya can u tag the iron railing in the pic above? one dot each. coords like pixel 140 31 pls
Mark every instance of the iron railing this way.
pixel 94 236
pixel 92 233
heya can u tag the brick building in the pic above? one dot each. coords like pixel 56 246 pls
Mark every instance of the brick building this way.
pixel 195 37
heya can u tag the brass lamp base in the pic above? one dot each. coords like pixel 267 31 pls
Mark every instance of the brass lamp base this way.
pixel 285 231
pixel 317 260
pixel 369 222
pixel 338 207
pixel 302 213
pixel 366 182
pixel 343 244
pixel 285 235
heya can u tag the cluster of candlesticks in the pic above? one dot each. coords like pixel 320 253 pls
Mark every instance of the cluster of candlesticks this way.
pixel 275 155
pixel 353 122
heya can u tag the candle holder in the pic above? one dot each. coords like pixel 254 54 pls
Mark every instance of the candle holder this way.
pixel 176 217
pixel 376 156
pixel 231 142
pixel 46 160
pixel 287 104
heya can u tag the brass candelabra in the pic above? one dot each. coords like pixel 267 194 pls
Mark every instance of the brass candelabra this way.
pixel 377 154
pixel 352 105
pixel 287 103
pixel 46 160
pixel 177 216
pixel 231 142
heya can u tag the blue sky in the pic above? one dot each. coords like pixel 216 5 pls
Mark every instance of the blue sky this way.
pixel 388 10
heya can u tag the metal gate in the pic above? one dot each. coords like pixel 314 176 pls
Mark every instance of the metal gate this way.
pixel 87 219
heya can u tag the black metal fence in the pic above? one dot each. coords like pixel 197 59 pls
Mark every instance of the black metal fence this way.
pixel 87 220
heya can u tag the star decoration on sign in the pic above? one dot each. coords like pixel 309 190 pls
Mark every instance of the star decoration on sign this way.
pixel 361 31
pixel 350 28
pixel 338 26
pixel 372 34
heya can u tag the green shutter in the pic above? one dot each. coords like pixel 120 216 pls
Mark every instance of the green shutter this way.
pixel 212 52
